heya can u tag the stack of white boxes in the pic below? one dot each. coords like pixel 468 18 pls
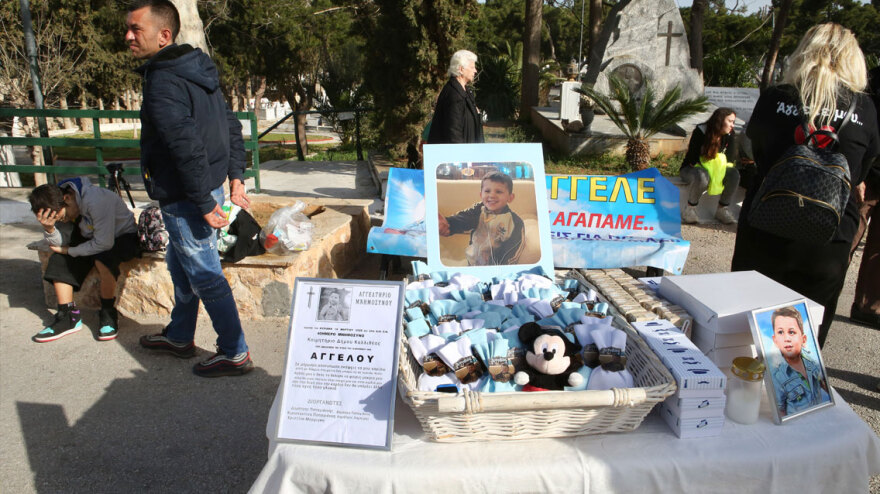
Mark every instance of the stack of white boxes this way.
pixel 720 305
pixel 697 407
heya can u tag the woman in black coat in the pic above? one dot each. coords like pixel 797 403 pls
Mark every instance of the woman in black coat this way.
pixel 826 73
pixel 456 119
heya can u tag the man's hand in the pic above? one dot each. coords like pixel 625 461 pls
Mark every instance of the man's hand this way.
pixel 216 218
pixel 47 218
pixel 59 249
pixel 237 194
pixel 444 225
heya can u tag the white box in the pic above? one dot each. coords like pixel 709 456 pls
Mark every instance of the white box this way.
pixel 706 339
pixel 690 408
pixel 652 283
pixel 690 428
pixel 722 301
pixel 694 373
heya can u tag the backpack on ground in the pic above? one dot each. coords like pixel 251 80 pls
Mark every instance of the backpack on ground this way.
pixel 151 232
pixel 805 192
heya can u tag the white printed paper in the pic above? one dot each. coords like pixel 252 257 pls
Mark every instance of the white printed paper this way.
pixel 341 370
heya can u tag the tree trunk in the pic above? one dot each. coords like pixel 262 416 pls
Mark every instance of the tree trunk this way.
pixel 597 48
pixel 531 58
pixel 67 122
pixel 782 7
pixel 243 98
pixel 117 108
pixel 638 154
pixel 302 142
pixel 192 31
pixel 85 124
pixel 595 25
pixel 101 107
pixel 249 93
pixel 29 126
pixel 552 46
pixel 233 97
pixel 258 97
pixel 698 13
pixel 300 101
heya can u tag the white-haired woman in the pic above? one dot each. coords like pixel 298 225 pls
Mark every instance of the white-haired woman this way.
pixel 456 118
pixel 825 74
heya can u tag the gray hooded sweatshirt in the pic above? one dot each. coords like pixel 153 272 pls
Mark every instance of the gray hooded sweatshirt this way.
pixel 104 217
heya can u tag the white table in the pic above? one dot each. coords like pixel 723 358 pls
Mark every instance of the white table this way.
pixel 831 450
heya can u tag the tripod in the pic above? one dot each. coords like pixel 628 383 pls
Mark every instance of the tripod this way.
pixel 118 182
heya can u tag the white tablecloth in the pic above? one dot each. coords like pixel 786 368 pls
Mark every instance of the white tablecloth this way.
pixel 831 450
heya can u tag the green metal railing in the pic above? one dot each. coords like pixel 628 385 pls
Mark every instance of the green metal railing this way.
pixel 250 144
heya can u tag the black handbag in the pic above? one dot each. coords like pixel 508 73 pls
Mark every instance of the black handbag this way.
pixel 805 192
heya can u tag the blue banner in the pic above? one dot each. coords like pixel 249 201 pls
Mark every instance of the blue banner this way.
pixel 596 221
pixel 610 221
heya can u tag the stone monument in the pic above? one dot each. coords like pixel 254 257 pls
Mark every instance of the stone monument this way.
pixel 649 45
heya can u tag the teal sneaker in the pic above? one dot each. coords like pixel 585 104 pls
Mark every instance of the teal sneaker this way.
pixel 65 323
pixel 109 321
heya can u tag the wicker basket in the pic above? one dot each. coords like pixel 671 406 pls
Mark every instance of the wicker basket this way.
pixel 476 416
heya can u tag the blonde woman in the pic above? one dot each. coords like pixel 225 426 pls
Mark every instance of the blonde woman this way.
pixel 825 74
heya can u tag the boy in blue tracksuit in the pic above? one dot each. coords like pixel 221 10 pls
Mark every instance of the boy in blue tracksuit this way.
pixel 496 231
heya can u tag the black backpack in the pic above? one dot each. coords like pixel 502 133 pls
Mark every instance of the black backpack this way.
pixel 805 192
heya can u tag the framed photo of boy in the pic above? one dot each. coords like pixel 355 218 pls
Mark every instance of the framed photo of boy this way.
pixel 486 208
pixel 795 377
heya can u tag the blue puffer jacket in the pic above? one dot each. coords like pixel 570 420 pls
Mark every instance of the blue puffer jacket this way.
pixel 190 140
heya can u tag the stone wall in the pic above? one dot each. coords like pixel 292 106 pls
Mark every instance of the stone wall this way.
pixel 262 285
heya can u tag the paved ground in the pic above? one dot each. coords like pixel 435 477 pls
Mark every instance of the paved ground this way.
pixel 79 415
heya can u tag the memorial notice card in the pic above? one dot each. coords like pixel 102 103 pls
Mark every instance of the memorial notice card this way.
pixel 341 370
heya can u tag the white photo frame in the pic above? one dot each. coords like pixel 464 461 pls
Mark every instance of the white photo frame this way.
pixel 340 374
pixel 454 177
pixel 795 375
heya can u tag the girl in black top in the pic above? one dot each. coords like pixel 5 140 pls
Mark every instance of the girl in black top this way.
pixel 826 72
pixel 707 141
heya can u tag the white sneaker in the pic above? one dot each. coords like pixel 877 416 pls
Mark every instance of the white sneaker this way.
pixel 723 215
pixel 689 215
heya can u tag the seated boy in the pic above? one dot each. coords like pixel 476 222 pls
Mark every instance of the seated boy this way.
pixel 104 235
pixel 496 231
pixel 798 380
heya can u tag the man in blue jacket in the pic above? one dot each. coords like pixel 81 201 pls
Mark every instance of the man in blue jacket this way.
pixel 190 144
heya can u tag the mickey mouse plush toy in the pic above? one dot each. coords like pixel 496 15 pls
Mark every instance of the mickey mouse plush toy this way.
pixel 549 355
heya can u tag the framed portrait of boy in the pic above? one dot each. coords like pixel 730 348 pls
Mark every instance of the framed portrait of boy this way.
pixel 486 209
pixel 795 377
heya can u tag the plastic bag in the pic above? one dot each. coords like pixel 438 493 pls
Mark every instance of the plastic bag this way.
pixel 225 240
pixel 288 230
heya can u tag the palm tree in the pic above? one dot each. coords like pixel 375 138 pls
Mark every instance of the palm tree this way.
pixel 641 118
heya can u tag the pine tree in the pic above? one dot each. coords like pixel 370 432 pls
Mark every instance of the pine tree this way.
pixel 410 43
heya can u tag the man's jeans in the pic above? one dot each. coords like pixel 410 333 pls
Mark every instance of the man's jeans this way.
pixel 194 265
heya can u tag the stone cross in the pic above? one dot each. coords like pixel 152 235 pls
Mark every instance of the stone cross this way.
pixel 669 35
